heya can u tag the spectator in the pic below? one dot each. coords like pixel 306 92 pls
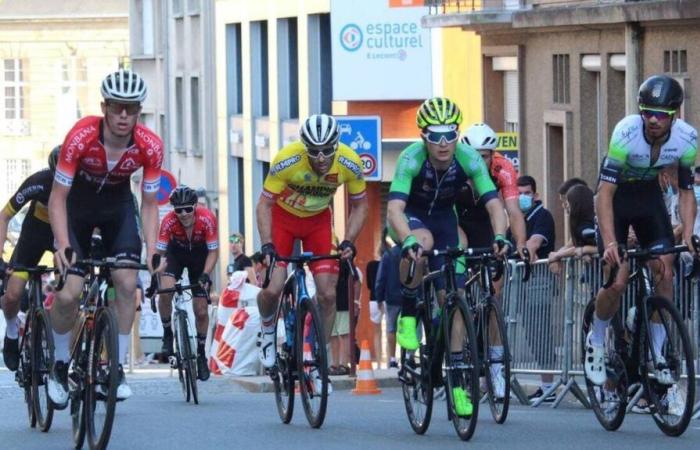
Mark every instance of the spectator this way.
pixel 340 334
pixel 668 179
pixel 240 260
pixel 568 184
pixel 579 206
pixel 388 290
pixel 376 310
pixel 539 225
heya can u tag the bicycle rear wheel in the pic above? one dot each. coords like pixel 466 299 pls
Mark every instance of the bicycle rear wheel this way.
pixel 493 325
pixel 24 373
pixel 189 359
pixel 462 367
pixel 312 362
pixel 672 405
pixel 282 373
pixel 103 379
pixel 42 356
pixel 417 381
pixel 609 401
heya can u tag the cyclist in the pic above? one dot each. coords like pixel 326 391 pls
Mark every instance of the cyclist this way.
pixel 189 239
pixel 429 175
pixel 294 204
pixel 475 225
pixel 35 238
pixel 92 189
pixel 629 194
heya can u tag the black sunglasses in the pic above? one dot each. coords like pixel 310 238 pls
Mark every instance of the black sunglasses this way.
pixel 184 210
pixel 117 108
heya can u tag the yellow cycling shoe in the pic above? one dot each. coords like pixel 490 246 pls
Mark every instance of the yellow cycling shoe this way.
pixel 463 405
pixel 406 334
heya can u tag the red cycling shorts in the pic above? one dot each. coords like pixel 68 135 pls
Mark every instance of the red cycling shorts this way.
pixel 315 233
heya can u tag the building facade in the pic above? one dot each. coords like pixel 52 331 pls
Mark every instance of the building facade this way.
pixel 568 71
pixel 53 57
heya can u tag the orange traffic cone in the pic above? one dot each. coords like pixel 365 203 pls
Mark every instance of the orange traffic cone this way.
pixel 366 384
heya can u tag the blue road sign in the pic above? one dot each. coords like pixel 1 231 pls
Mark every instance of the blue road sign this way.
pixel 364 135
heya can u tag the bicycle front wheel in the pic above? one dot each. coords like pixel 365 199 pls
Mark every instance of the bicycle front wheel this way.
pixel 24 372
pixel 178 360
pixel 282 373
pixel 312 362
pixel 462 369
pixel 667 349
pixel 187 357
pixel 76 391
pixel 102 380
pixel 496 365
pixel 42 356
pixel 416 380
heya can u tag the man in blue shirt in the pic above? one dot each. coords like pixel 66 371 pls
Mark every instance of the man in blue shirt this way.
pixel 388 289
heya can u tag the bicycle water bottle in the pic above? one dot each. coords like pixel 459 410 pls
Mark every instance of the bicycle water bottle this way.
pixel 289 327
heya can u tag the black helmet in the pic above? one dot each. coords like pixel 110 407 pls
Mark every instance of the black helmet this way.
pixel 660 91
pixel 53 157
pixel 182 195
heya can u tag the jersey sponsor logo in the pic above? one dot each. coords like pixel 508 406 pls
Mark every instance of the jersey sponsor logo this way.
pixel 354 168
pixel 77 141
pixel 29 191
pixel 129 164
pixel 280 166
pixel 19 198
pixel 313 191
pixel 63 179
pixel 94 162
pixel 608 178
pixel 331 178
pixel 148 139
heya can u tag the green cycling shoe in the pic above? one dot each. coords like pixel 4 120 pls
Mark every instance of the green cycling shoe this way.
pixel 463 405
pixel 406 334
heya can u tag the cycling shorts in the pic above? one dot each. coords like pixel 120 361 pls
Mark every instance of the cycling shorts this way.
pixel 479 232
pixel 193 260
pixel 443 226
pixel 641 206
pixel 315 233
pixel 35 239
pixel 114 215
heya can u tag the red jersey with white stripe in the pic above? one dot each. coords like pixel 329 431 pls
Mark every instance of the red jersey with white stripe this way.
pixel 204 232
pixel 83 155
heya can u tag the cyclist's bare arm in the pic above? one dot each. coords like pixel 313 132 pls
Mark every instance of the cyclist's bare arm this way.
pixel 397 219
pixel 604 213
pixel 210 262
pixel 356 220
pixel 497 215
pixel 517 222
pixel 4 224
pixel 263 213
pixel 687 211
pixel 58 217
pixel 149 218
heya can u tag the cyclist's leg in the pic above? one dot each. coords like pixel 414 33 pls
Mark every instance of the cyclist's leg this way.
pixel 199 305
pixel 168 278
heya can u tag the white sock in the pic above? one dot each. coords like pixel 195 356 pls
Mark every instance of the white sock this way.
pixel 658 337
pixel 268 324
pixel 123 346
pixel 12 328
pixel 495 352
pixel 599 327
pixel 545 386
pixel 61 342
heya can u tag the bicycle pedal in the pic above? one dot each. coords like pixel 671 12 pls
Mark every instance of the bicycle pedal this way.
pixel 173 362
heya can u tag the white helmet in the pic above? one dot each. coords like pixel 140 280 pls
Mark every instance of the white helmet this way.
pixel 124 86
pixel 319 130
pixel 481 137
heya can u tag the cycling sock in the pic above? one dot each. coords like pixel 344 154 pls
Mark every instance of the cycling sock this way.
pixel 60 345
pixel 599 327
pixel 167 325
pixel 408 306
pixel 201 341
pixel 658 337
pixel 268 324
pixel 123 346
pixel 456 357
pixel 496 352
pixel 12 329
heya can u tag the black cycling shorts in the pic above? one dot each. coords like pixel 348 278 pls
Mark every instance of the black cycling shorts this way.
pixel 114 213
pixel 193 260
pixel 479 232
pixel 641 206
pixel 35 238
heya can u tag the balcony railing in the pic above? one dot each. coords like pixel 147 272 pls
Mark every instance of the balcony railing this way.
pixel 467 6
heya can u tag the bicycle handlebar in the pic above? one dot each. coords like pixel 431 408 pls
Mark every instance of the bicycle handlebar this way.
pixel 305 258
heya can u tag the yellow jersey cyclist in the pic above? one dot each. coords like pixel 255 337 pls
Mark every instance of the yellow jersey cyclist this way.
pixel 92 189
pixel 629 195
pixel 294 204
pixel 421 209
pixel 34 240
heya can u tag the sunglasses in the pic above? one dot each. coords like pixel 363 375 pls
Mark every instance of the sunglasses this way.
pixel 659 114
pixel 184 210
pixel 130 108
pixel 436 137
pixel 234 239
pixel 327 152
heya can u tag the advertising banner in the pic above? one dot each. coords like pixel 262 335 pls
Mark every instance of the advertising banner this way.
pixel 508 147
pixel 379 52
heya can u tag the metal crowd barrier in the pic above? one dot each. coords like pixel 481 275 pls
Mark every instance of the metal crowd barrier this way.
pixel 544 316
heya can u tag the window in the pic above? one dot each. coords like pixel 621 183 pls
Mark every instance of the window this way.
pixel 193 6
pixel 177 7
pixel 194 109
pixel 260 67
pixel 511 108
pixel 16 170
pixel 74 87
pixel 675 61
pixel 13 89
pixel 145 42
pixel 234 69
pixel 179 111
pixel 560 79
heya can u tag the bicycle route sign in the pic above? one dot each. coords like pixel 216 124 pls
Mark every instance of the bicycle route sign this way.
pixel 167 184
pixel 364 135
